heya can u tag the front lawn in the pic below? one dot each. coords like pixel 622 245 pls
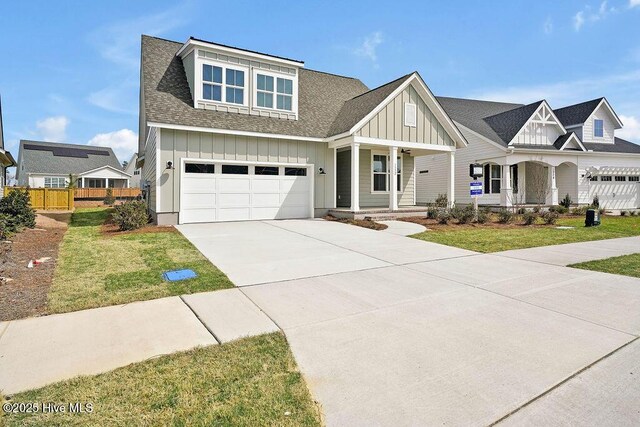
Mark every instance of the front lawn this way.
pixel 250 382
pixel 98 268
pixel 627 265
pixel 495 237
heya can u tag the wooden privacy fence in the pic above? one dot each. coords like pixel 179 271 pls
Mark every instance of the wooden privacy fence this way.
pixel 101 193
pixel 48 198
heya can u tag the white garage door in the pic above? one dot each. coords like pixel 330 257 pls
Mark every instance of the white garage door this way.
pixel 236 192
pixel 616 192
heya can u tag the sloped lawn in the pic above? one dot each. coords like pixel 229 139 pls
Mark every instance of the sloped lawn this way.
pixel 250 382
pixel 627 265
pixel 495 237
pixel 98 268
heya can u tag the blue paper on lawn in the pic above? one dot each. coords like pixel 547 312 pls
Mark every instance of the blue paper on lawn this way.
pixel 175 275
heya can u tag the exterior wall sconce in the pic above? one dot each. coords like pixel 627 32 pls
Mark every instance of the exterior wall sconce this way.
pixel 321 171
pixel 169 165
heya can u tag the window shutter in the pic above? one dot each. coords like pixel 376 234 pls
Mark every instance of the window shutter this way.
pixel 409 114
pixel 487 179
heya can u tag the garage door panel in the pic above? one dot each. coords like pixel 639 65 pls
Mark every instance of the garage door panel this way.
pixel 195 185
pixel 295 199
pixel 294 184
pixel 234 185
pixel 199 201
pixel 234 199
pixel 266 200
pixel 265 213
pixel 197 215
pixel 265 185
pixel 234 214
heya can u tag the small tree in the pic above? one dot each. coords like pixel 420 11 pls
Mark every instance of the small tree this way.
pixel 539 181
pixel 566 202
pixel 16 211
pixel 73 181
pixel 108 198
pixel 596 202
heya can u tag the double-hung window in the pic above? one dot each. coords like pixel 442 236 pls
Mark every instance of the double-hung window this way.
pixel 492 177
pixel 264 94
pixel 284 97
pixel 55 182
pixel 274 92
pixel 381 172
pixel 598 128
pixel 216 80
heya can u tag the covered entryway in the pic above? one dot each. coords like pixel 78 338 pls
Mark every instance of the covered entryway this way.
pixel 230 191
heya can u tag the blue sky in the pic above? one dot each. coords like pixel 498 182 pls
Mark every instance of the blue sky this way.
pixel 70 69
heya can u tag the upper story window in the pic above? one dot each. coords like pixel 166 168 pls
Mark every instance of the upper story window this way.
pixel 213 84
pixel 598 128
pixel 274 92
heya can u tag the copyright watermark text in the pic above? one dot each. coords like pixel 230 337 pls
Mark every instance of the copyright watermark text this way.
pixel 47 408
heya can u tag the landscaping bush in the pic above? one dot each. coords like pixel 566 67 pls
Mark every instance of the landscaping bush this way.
pixel 529 218
pixel 505 216
pixel 432 212
pixel 566 202
pixel 623 213
pixel 109 200
pixel 463 215
pixel 602 211
pixel 443 216
pixel 560 209
pixel 580 210
pixel 483 215
pixel 536 209
pixel 520 211
pixel 442 201
pixel 131 215
pixel 16 212
pixel 550 217
pixel 596 202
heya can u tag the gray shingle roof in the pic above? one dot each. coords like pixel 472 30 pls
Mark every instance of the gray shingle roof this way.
pixel 471 114
pixel 619 146
pixel 42 159
pixel 562 139
pixel 168 99
pixel 357 108
pixel 578 113
pixel 506 125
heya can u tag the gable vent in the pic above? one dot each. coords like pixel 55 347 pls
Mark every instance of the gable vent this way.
pixel 409 114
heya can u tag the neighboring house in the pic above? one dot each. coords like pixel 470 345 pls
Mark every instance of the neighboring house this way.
pixel 134 171
pixel 533 154
pixel 230 134
pixel 50 165
pixel 6 159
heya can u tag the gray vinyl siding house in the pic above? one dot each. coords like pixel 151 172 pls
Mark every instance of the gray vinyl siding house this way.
pixel 228 134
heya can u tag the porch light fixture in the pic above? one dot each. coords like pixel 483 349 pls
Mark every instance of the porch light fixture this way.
pixel 475 170
pixel 169 165
pixel 403 151
pixel 321 172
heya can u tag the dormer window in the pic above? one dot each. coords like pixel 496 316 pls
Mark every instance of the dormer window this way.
pixel 264 95
pixel 285 94
pixel 598 128
pixel 274 92
pixel 213 85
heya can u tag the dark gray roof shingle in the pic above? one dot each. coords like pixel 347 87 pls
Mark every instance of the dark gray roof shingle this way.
pixel 619 146
pixel 41 160
pixel 471 114
pixel 576 114
pixel 357 108
pixel 561 140
pixel 506 125
pixel 167 98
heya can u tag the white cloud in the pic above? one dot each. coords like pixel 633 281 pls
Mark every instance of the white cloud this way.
pixel 634 3
pixel 124 142
pixel 588 14
pixel 631 129
pixel 118 98
pixel 578 20
pixel 53 129
pixel 369 46
pixel 548 26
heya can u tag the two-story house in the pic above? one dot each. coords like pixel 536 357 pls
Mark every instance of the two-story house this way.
pixel 533 154
pixel 231 134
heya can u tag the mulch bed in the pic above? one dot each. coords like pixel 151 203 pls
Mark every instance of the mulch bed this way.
pixel 433 224
pixel 23 291
pixel 359 222
pixel 110 229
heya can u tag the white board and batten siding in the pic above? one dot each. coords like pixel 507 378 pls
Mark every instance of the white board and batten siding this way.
pixel 536 133
pixel 149 172
pixel 176 145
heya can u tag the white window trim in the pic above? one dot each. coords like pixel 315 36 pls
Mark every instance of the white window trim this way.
pixel 387 173
pixel 491 178
pixel 57 178
pixel 224 65
pixel 254 90
pixel 594 128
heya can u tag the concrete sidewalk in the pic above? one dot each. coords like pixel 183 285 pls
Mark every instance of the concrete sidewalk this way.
pixel 38 351
pixel 573 253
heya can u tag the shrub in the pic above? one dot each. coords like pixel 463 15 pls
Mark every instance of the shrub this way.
pixel 432 212
pixel 536 209
pixel 442 201
pixel 131 215
pixel 443 216
pixel 580 210
pixel 560 209
pixel 505 216
pixel 596 202
pixel 623 213
pixel 550 217
pixel 483 216
pixel 108 198
pixel 601 211
pixel 529 218
pixel 566 202
pixel 520 211
pixel 16 212
pixel 463 215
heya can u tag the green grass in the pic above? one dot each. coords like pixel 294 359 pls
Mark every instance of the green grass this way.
pixel 250 382
pixel 495 239
pixel 627 265
pixel 95 270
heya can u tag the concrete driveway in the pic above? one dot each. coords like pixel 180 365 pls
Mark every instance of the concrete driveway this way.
pixel 390 330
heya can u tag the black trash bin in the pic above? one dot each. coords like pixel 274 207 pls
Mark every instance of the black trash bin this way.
pixel 593 218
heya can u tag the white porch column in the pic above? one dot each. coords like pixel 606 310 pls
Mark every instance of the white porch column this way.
pixel 506 192
pixel 355 177
pixel 82 182
pixel 553 191
pixel 393 178
pixel 451 177
pixel 107 183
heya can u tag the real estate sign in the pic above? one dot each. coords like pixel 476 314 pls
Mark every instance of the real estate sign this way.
pixel 475 188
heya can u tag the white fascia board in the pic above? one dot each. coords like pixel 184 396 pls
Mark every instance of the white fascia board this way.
pixel 428 97
pixel 613 113
pixel 190 44
pixel 233 132
pixel 558 122
pixel 574 138
pixel 402 144
pixel 105 167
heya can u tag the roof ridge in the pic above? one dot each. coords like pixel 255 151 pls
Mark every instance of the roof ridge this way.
pixel 481 100
pixel 142 36
pixel 58 144
pixel 580 103
pixel 379 87
pixel 330 74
